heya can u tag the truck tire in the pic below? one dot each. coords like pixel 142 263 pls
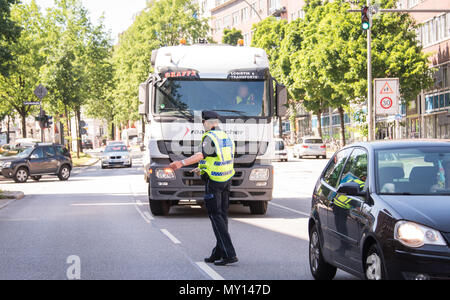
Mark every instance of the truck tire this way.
pixel 258 207
pixel 159 208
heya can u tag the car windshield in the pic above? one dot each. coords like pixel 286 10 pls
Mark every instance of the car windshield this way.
pixel 313 141
pixel 228 98
pixel 413 171
pixel 25 153
pixel 116 149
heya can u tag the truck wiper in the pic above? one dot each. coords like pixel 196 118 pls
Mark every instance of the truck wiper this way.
pixel 241 113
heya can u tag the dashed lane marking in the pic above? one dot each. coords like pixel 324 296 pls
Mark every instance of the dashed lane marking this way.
pixel 170 236
pixel 210 271
pixel 290 209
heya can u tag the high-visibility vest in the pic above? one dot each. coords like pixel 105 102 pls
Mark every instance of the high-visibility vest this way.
pixel 344 201
pixel 239 100
pixel 221 167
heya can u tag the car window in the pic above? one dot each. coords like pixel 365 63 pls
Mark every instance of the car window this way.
pixel 415 171
pixel 313 141
pixel 356 168
pixel 62 151
pixel 116 149
pixel 279 145
pixel 49 151
pixel 37 153
pixel 335 167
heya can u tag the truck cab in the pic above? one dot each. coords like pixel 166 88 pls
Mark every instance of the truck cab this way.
pixel 236 83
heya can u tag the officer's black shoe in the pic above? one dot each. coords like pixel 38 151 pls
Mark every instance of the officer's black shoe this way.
pixel 226 261
pixel 211 259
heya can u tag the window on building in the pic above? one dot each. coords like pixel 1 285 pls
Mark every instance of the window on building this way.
pixel 412 3
pixel 434 30
pixel 252 10
pixel 247 39
pixel 227 21
pixel 235 18
pixel 273 5
pixel 244 14
pixel 301 14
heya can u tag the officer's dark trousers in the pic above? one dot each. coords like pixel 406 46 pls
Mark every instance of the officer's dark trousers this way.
pixel 217 201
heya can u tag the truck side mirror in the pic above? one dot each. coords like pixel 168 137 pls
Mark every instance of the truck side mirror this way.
pixel 281 100
pixel 145 98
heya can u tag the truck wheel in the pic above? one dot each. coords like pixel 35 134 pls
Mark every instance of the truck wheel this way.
pixel 21 175
pixel 258 207
pixel 159 208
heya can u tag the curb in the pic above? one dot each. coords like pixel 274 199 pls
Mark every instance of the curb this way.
pixel 89 163
pixel 10 198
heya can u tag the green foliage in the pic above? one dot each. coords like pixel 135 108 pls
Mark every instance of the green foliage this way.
pixel 231 36
pixel 163 23
pixel 9 32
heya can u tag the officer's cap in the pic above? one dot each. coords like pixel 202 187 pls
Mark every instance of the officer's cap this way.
pixel 210 115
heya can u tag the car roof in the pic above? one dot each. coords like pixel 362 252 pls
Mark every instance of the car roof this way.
pixel 394 144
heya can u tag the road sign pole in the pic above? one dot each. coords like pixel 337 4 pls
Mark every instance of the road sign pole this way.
pixel 370 114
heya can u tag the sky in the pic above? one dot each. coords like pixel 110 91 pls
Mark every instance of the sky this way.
pixel 118 13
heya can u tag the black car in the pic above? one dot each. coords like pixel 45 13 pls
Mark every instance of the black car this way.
pixel 382 211
pixel 41 159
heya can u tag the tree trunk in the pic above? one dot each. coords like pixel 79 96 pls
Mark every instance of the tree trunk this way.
pixel 77 132
pixel 79 138
pixel 24 125
pixel 280 127
pixel 69 130
pixel 341 117
pixel 319 123
pixel 8 129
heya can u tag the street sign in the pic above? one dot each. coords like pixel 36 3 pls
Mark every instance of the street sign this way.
pixel 40 92
pixel 32 103
pixel 387 95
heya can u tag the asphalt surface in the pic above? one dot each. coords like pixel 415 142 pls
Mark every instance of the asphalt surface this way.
pixel 102 219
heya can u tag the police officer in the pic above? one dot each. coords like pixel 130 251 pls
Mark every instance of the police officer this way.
pixel 216 166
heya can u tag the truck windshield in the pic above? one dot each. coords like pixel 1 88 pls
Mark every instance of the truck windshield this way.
pixel 228 98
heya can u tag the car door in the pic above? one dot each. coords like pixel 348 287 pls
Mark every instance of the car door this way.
pixel 36 161
pixel 50 160
pixel 325 194
pixel 346 218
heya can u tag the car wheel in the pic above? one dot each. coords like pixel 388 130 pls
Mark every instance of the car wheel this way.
pixel 320 269
pixel 159 208
pixel 64 173
pixel 36 178
pixel 258 207
pixel 374 266
pixel 21 175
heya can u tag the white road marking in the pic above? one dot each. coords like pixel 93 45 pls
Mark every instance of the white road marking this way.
pixel 290 209
pixel 142 215
pixel 170 236
pixel 148 215
pixel 210 271
pixel 103 204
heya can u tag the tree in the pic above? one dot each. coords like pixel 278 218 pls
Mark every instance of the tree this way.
pixel 18 87
pixel 231 36
pixel 9 32
pixel 163 23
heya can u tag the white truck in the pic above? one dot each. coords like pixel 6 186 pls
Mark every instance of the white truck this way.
pixel 232 81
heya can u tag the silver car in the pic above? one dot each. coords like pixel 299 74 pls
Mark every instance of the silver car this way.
pixel 116 156
pixel 310 146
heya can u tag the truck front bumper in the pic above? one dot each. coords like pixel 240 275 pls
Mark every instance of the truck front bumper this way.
pixel 189 186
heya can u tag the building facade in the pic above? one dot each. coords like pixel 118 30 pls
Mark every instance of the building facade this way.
pixel 242 14
pixel 428 115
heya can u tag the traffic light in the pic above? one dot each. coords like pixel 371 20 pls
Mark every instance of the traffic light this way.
pixel 365 18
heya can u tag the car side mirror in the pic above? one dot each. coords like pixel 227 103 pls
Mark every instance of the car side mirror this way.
pixel 350 189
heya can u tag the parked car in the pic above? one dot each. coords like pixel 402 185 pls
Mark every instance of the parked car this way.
pixel 36 161
pixel 310 146
pixel 281 153
pixel 116 155
pixel 87 144
pixel 383 216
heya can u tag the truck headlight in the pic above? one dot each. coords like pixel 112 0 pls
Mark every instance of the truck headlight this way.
pixel 415 236
pixel 259 175
pixel 166 174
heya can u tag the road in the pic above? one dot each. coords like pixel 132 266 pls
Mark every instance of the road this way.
pixel 102 218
